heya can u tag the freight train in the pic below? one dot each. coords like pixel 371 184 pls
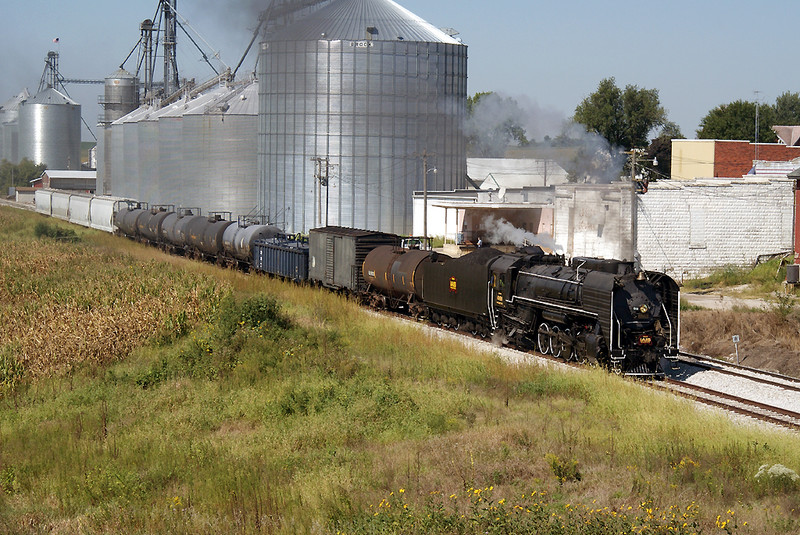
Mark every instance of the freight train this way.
pixel 593 310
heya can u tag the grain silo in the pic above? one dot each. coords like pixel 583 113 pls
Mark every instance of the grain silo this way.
pixel 121 96
pixel 50 130
pixel 9 127
pixel 196 152
pixel 352 99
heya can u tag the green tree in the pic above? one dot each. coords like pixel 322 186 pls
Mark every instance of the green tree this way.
pixel 624 118
pixel 736 120
pixel 787 109
pixel 18 175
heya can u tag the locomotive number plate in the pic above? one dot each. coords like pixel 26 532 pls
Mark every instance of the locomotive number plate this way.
pixel 645 340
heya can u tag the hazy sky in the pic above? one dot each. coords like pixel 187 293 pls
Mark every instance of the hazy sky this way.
pixel 547 54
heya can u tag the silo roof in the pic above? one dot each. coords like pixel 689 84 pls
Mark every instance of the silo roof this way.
pixel 350 20
pixel 13 103
pixel 238 100
pixel 50 96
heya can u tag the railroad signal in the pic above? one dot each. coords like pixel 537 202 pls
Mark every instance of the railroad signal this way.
pixel 736 346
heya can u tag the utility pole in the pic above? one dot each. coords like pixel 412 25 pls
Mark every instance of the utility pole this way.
pixel 756 154
pixel 425 172
pixel 322 169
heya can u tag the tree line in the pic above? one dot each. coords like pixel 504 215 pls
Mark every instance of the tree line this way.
pixel 19 175
pixel 630 118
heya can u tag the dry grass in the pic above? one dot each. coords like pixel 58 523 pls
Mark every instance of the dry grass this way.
pixel 768 340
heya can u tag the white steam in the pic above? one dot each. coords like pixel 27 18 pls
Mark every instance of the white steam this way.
pixel 499 230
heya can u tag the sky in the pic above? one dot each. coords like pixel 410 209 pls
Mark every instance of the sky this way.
pixel 549 55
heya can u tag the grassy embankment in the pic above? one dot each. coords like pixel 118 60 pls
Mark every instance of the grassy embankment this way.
pixel 147 394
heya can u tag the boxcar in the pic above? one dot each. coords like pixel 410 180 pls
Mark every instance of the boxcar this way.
pixel 336 255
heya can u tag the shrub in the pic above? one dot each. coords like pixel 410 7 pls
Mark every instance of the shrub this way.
pixel 44 229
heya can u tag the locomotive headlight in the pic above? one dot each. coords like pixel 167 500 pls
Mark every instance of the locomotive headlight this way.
pixel 643 309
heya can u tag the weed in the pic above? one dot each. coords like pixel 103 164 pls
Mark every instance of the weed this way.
pixel 564 470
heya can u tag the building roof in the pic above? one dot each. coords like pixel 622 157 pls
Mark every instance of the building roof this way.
pixel 790 135
pixel 376 20
pixel 59 173
pixel 496 173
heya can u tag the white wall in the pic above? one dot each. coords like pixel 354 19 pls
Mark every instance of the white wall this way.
pixel 691 228
pixel 594 220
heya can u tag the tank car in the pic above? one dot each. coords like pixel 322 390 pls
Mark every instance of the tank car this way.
pixel 204 236
pixel 394 278
pixel 127 217
pixel 239 240
pixel 149 224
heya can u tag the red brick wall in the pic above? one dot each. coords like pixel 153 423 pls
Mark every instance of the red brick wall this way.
pixel 735 158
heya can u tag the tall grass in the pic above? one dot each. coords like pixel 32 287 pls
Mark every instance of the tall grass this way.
pixel 285 409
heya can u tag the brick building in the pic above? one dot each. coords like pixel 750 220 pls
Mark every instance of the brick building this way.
pixel 711 158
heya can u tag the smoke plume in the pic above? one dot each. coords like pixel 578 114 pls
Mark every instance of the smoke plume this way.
pixel 499 230
pixel 498 122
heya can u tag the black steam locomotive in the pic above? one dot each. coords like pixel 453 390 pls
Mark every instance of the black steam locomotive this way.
pixel 592 310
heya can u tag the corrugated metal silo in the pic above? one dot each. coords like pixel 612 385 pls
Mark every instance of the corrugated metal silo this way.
pixel 366 88
pixel 9 127
pixel 121 95
pixel 50 130
pixel 220 150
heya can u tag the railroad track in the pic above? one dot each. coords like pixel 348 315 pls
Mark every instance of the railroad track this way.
pixel 736 404
pixel 758 394
pixel 737 370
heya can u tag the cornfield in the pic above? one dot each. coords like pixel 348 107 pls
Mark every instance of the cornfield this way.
pixel 64 305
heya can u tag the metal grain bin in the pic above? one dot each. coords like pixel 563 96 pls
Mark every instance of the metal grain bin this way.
pixel 121 95
pixel 50 130
pixel 9 127
pixel 336 255
pixel 358 92
pixel 282 257
pixel 238 240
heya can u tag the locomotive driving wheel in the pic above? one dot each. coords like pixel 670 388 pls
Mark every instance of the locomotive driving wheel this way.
pixel 557 346
pixel 543 339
